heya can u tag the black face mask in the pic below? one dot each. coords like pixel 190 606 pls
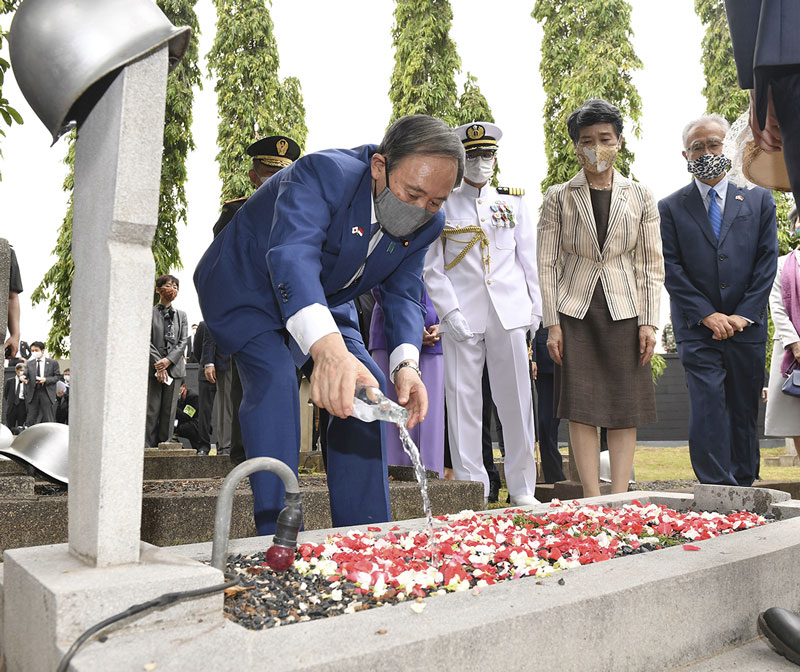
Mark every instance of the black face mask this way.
pixel 396 217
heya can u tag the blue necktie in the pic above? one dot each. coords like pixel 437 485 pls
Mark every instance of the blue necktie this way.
pixel 714 213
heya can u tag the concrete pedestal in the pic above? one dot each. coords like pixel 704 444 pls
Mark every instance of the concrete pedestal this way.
pixel 57 597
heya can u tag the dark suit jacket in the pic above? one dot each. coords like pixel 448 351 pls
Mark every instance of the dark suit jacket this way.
pixel 311 223
pixel 765 43
pixel 157 350
pixel 52 375
pixel 733 275
pixel 212 354
pixel 9 396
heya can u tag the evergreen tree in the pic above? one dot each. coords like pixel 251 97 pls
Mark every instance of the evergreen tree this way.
pixel 252 101
pixel 425 61
pixel 586 53
pixel 56 286
pixel 8 113
pixel 472 105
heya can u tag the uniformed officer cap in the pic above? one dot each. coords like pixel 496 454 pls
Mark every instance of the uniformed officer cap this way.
pixel 277 151
pixel 479 135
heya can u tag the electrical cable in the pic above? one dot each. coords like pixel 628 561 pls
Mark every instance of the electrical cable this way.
pixel 161 601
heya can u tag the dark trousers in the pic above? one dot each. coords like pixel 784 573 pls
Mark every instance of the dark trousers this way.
pixel 189 430
pixel 205 392
pixel 162 405
pixel 486 430
pixel 270 417
pixel 786 97
pixel 237 447
pixel 40 408
pixel 547 429
pixel 724 379
pixel 16 413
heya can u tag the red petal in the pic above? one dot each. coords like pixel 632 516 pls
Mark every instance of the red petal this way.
pixel 690 547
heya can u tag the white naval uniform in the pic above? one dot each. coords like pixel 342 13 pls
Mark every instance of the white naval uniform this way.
pixel 500 304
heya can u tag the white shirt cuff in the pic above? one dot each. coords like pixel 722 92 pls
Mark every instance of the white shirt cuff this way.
pixel 309 324
pixel 401 353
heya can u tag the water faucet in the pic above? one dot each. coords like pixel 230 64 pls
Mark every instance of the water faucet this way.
pixel 280 555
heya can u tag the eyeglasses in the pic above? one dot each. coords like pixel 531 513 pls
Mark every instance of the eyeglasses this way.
pixel 712 146
pixel 480 154
pixel 169 285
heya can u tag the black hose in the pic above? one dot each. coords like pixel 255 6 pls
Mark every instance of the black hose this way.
pixel 161 601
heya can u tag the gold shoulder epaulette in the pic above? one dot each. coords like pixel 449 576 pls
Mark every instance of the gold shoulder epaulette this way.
pixel 236 200
pixel 511 191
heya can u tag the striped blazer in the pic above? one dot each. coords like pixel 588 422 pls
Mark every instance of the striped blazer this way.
pixel 630 265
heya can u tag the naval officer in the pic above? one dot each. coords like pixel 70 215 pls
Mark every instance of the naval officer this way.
pixel 481 276
pixel 321 232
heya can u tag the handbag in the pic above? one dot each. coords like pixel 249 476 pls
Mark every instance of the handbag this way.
pixel 791 385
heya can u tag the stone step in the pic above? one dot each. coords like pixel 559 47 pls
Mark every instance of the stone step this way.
pixel 756 654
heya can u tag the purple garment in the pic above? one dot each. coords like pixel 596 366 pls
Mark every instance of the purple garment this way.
pixel 377 335
pixel 429 434
pixel 790 294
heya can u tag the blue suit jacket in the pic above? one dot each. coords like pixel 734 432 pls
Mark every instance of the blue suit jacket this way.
pixel 298 240
pixel 732 275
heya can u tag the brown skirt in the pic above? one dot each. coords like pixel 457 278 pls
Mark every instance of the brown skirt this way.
pixel 601 381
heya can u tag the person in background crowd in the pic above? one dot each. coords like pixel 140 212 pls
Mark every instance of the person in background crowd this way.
pixel 62 392
pixel 11 345
pixel 190 345
pixel 428 435
pixel 269 155
pixel 720 253
pixel 186 422
pixel 328 225
pixel 481 276
pixel 546 422
pixel 168 337
pixel 42 374
pixel 217 370
pixel 601 271
pixel 15 410
pixel 206 392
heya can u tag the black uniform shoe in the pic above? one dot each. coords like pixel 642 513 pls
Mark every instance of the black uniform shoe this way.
pixel 782 630
pixel 494 491
pixel 202 451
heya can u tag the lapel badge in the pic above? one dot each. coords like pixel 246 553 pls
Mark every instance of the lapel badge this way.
pixel 357 230
pixel 390 249
pixel 739 197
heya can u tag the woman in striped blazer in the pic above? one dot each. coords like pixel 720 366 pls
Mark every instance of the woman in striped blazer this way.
pixel 601 273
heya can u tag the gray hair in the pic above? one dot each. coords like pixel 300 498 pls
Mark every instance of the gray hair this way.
pixel 706 118
pixel 421 134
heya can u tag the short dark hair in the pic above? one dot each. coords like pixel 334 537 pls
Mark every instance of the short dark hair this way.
pixel 421 134
pixel 162 280
pixel 37 344
pixel 593 111
pixel 19 366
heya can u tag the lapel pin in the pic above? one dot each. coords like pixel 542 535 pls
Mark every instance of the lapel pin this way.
pixel 739 197
pixel 390 249
pixel 357 230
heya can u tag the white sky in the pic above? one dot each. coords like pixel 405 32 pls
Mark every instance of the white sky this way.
pixel 343 56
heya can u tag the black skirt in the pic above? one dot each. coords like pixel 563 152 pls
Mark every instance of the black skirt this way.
pixel 601 381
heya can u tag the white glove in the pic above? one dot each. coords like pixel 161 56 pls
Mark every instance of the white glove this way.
pixel 457 325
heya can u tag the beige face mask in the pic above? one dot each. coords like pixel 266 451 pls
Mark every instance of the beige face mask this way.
pixel 597 159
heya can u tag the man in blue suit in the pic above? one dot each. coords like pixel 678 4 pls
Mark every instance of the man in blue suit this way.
pixel 312 238
pixel 720 256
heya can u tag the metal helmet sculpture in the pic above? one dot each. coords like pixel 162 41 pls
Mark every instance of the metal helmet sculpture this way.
pixel 45 447
pixel 65 53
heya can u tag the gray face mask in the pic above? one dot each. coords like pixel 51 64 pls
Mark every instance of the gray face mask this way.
pixel 396 217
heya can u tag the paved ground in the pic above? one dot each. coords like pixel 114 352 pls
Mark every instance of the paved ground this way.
pixel 755 655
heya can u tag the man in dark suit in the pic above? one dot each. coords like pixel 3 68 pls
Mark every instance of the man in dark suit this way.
pixel 330 225
pixel 217 370
pixel 720 255
pixel 40 392
pixel 206 392
pixel 15 410
pixel 168 336
pixel 546 423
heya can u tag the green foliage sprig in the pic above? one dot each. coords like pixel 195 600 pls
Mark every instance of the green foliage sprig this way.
pixel 586 53
pixel 252 100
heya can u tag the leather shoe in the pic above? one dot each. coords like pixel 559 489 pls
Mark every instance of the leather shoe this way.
pixel 494 491
pixel 202 451
pixel 782 630
pixel 523 500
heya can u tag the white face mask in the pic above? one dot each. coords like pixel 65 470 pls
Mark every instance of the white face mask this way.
pixel 479 170
pixel 66 378
pixel 37 355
